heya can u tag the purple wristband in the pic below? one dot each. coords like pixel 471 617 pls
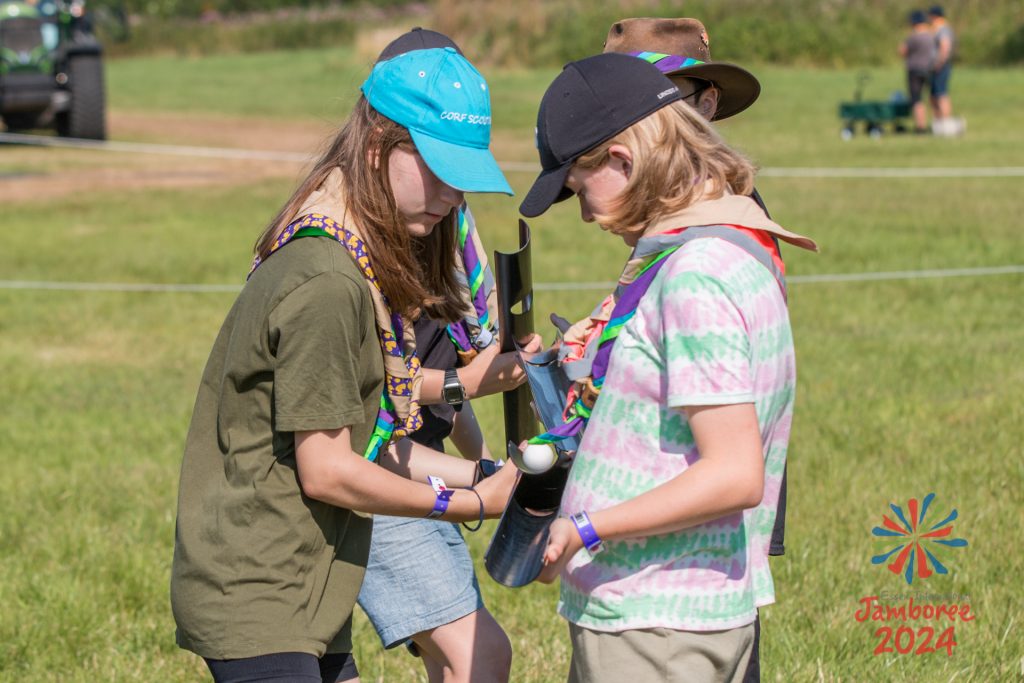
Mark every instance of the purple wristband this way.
pixel 591 541
pixel 440 504
pixel 444 494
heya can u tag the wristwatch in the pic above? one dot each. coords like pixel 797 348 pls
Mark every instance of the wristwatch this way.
pixel 452 391
pixel 484 469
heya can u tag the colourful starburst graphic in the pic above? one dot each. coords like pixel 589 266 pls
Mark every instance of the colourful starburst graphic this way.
pixel 916 545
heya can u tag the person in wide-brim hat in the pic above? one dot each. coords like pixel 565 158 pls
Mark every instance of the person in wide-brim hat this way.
pixel 680 48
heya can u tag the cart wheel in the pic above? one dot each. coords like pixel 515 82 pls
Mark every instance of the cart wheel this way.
pixel 846 133
pixel 874 131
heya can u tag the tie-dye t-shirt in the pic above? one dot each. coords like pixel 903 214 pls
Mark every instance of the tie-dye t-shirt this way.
pixel 713 329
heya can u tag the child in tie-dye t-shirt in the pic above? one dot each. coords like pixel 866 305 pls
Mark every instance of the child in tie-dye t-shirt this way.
pixel 662 547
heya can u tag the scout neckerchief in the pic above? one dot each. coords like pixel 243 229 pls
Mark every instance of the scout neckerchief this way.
pixel 479 324
pixel 638 276
pixel 747 228
pixel 399 410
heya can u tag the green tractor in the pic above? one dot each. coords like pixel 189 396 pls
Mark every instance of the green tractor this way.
pixel 51 69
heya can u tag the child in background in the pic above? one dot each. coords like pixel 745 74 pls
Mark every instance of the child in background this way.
pixel 943 122
pixel 420 587
pixel 677 476
pixel 918 52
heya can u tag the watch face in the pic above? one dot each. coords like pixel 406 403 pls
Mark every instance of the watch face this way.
pixel 452 391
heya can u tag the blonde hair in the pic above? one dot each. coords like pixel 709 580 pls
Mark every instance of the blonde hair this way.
pixel 678 159
pixel 414 273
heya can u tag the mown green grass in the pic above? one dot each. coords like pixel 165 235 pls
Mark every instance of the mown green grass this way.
pixel 905 387
pixel 794 123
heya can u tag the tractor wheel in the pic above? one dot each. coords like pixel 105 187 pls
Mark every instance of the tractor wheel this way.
pixel 86 118
pixel 17 121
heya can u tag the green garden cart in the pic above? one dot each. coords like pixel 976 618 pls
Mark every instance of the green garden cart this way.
pixel 873 115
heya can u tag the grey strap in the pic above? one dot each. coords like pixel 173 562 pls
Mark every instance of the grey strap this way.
pixel 581 368
pixel 744 242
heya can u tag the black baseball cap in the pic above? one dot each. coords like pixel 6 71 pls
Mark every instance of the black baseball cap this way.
pixel 592 100
pixel 416 38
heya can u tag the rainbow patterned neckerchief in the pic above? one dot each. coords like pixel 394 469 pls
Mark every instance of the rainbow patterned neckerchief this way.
pixel 399 411
pixel 625 307
pixel 478 326
pixel 649 255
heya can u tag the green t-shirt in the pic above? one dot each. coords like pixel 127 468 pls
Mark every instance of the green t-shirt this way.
pixel 259 567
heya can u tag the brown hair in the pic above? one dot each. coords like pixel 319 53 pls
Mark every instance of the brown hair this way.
pixel 678 159
pixel 413 273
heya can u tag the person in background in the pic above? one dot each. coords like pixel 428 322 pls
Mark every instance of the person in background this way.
pixel 918 51
pixel 313 382
pixel 681 49
pixel 420 587
pixel 945 44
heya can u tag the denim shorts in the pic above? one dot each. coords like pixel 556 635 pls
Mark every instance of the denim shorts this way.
pixel 940 80
pixel 419 576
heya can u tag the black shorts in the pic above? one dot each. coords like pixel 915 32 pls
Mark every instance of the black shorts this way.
pixel 285 667
pixel 915 83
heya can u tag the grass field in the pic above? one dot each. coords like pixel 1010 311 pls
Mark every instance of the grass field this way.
pixel 906 386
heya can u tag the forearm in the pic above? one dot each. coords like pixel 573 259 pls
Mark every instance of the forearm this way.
pixel 351 482
pixel 728 477
pixel 466 435
pixel 414 461
pixel 431 387
pixel 489 372
pixel 707 490
pixel 702 493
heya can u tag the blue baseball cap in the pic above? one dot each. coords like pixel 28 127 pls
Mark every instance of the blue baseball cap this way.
pixel 444 103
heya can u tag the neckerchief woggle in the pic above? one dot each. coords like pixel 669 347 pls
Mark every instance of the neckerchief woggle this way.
pixel 398 382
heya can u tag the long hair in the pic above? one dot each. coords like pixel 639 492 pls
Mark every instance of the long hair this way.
pixel 415 274
pixel 678 159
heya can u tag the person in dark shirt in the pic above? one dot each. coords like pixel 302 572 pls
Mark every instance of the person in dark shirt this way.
pixel 420 587
pixel 942 69
pixel 918 52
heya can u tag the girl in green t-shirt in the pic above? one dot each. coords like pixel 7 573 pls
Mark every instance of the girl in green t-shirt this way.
pixel 313 383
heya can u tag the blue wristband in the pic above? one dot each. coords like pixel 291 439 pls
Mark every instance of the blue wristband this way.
pixel 591 541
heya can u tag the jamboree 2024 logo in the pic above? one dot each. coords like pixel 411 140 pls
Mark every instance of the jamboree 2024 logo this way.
pixel 914 546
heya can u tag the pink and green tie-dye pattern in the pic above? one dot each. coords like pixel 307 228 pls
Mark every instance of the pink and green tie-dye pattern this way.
pixel 712 330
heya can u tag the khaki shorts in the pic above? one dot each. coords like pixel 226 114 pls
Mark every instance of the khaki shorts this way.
pixel 660 654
